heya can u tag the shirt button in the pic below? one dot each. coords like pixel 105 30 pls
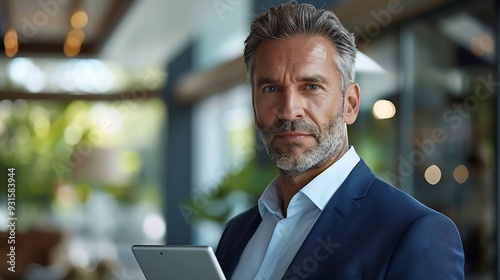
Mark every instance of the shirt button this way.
pixel 283 230
pixel 262 278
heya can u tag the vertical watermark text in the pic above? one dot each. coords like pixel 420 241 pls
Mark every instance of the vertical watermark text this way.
pixel 11 220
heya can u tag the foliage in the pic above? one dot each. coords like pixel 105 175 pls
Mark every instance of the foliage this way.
pixel 248 183
pixel 31 140
pixel 45 141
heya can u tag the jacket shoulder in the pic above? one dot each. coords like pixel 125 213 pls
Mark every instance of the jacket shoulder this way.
pixel 238 232
pixel 243 217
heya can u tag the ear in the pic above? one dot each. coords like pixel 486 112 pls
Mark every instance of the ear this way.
pixel 351 103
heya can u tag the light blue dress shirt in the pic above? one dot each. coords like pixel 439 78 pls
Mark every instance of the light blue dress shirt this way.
pixel 277 239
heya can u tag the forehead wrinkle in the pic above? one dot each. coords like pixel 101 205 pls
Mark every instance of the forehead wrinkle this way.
pixel 303 71
pixel 323 52
pixel 310 54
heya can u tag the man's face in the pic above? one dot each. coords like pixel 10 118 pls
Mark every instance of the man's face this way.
pixel 297 102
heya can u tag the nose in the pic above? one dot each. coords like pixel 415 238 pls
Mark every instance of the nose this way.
pixel 291 105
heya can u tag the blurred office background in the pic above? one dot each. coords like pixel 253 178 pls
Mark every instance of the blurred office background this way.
pixel 130 122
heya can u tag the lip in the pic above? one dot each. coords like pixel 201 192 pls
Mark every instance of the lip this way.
pixel 293 135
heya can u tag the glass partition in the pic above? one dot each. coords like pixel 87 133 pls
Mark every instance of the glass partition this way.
pixel 439 146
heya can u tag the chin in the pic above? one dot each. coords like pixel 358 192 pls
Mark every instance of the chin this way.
pixel 294 168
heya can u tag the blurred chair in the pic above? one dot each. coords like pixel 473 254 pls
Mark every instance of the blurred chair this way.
pixel 33 247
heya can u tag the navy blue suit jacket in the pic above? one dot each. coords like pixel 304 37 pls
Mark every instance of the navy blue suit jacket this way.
pixel 368 230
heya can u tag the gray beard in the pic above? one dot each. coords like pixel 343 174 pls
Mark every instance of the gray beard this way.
pixel 292 164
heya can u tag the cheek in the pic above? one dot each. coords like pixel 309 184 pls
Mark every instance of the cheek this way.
pixel 321 113
pixel 264 112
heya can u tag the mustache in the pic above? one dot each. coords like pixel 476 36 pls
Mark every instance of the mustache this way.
pixel 284 126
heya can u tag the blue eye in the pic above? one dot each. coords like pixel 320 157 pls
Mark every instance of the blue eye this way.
pixel 270 88
pixel 312 87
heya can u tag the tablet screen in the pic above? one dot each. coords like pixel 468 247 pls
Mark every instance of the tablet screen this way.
pixel 160 262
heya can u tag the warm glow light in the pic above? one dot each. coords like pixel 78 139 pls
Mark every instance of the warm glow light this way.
pixel 79 20
pixel 432 174
pixel 383 109
pixel 11 52
pixel 76 34
pixel 10 43
pixel 69 50
pixel 73 43
pixel 487 43
pixel 10 39
pixel 475 47
pixel 461 174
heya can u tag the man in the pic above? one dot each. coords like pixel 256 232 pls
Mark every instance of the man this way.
pixel 325 216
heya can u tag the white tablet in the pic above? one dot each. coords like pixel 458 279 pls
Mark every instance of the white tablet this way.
pixel 160 262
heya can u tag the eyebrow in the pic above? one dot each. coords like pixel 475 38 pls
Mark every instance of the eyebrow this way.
pixel 263 81
pixel 310 79
pixel 315 79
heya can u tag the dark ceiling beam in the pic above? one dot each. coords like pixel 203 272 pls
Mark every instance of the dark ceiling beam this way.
pixel 75 5
pixel 116 12
pixel 54 48
pixel 13 95
pixel 360 13
pixel 198 85
pixel 108 23
pixel 368 19
pixel 3 16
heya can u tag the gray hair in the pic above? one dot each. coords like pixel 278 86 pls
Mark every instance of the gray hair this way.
pixel 291 19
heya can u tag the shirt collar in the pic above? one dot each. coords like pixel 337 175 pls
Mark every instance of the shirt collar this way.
pixel 270 200
pixel 323 186
pixel 319 190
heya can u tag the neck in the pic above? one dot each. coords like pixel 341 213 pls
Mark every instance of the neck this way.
pixel 289 185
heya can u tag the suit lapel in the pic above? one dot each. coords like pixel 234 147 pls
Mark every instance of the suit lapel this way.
pixel 342 207
pixel 239 240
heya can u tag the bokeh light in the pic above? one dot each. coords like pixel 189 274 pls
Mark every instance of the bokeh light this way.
pixel 154 227
pixel 383 109
pixel 461 174
pixel 79 20
pixel 432 174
